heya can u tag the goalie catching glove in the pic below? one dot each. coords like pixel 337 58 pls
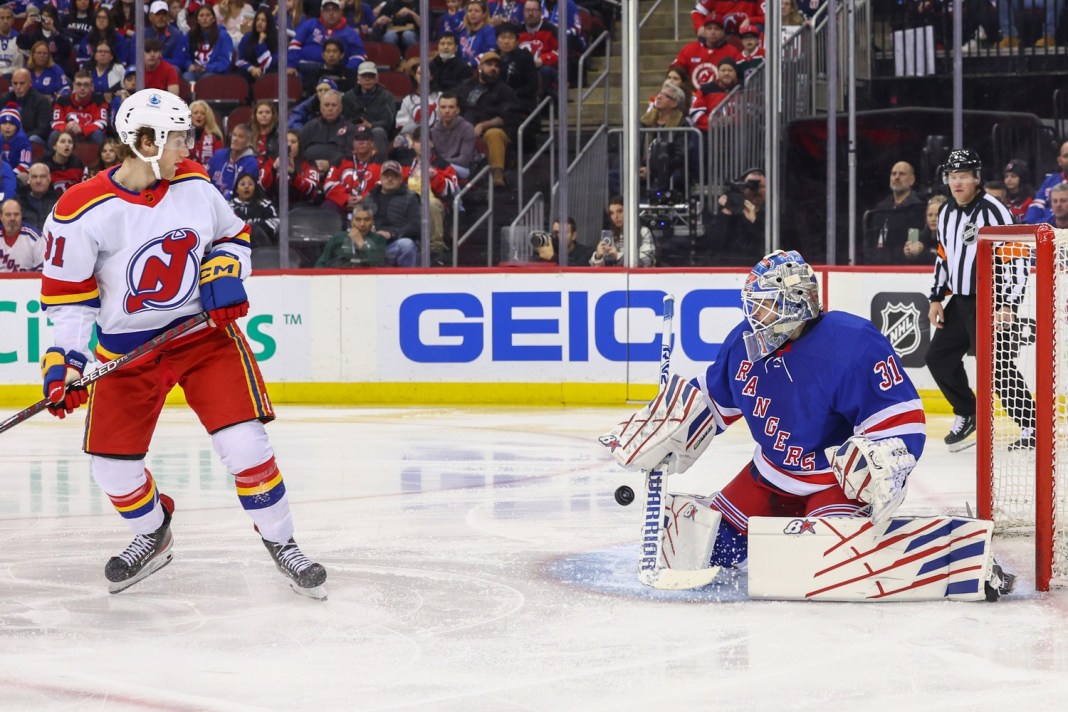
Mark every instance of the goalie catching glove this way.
pixel 222 292
pixel 674 428
pixel 874 472
pixel 59 369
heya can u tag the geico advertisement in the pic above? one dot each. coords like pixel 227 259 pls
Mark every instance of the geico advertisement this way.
pixel 278 328
pixel 549 327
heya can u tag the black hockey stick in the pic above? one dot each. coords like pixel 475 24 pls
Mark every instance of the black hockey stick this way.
pixel 143 349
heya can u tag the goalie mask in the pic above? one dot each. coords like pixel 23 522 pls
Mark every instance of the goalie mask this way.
pixel 780 294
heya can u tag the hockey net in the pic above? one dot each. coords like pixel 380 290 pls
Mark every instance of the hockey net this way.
pixel 1022 475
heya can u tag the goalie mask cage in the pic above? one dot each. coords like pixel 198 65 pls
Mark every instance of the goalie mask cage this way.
pixel 1023 490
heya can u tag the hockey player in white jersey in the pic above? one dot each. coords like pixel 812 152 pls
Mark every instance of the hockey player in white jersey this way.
pixel 838 427
pixel 134 251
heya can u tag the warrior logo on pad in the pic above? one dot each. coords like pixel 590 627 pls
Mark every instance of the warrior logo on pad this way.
pixel 164 273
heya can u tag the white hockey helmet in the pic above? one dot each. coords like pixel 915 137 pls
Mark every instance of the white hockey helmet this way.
pixel 151 108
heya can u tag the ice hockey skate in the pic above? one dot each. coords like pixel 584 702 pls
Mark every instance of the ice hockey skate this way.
pixel 962 433
pixel 146 554
pixel 1000 583
pixel 305 576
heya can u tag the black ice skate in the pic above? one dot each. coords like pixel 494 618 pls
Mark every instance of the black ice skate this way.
pixel 305 576
pixel 146 554
pixel 961 434
pixel 1000 583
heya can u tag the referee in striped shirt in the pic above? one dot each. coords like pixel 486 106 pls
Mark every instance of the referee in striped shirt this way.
pixel 959 220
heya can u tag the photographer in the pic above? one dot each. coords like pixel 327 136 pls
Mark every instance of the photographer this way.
pixel 737 230
pixel 545 246
pixel 360 246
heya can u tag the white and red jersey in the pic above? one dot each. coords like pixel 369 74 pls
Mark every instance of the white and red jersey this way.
pixel 731 12
pixel 541 43
pixel 700 62
pixel 92 115
pixel 352 178
pixel 130 262
pixel 22 252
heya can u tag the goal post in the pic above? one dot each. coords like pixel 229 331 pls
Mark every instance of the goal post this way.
pixel 1020 487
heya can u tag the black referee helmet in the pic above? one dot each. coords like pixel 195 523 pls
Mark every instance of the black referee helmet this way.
pixel 962 159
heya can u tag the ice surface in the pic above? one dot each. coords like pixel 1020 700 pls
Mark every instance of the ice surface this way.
pixel 477 561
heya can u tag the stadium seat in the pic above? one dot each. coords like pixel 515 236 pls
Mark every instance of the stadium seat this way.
pixel 397 83
pixel 5 85
pixel 223 91
pixel 270 258
pixel 413 51
pixel 309 223
pixel 266 87
pixel 240 115
pixel 87 151
pixel 385 55
pixel 184 90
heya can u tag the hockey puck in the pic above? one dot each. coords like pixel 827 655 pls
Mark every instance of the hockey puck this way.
pixel 624 495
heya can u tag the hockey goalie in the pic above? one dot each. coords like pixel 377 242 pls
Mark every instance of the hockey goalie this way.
pixel 838 427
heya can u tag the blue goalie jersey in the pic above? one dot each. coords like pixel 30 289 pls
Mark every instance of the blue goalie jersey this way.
pixel 840 378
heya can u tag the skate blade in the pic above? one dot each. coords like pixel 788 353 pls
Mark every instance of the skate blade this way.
pixel 963 445
pixel 155 565
pixel 316 592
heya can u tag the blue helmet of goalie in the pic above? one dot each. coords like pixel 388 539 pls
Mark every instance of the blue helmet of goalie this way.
pixel 780 294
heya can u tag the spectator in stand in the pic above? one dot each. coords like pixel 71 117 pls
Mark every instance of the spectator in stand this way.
pixel 23 248
pixel 397 216
pixel 359 246
pixel 83 113
pixel 699 59
pixel 410 113
pixel 1028 22
pixel 296 18
pixel 997 190
pixel 250 203
pixel 677 77
pixel 665 152
pixel 235 18
pixel 66 168
pixel 229 163
pixel 264 132
pixel 752 49
pixel 308 109
pixel 714 93
pixel 210 50
pixel 443 185
pixel 106 158
pixel 37 197
pixel 304 177
pixel 578 255
pixel 8 182
pixel 103 30
pixel 47 30
pixel 737 230
pixel 306 48
pixel 11 57
pixel 1037 211
pixel 539 37
pixel 733 13
pixel 77 21
pixel 550 10
pixel 123 17
pixel 454 136
pixel 371 106
pixel 505 11
pixel 1018 188
pixel 48 78
pixel 327 138
pixel 448 70
pixel 256 48
pixel 173 43
pixel 490 106
pixel 477 36
pixel 668 109
pixel 159 73
pixel 452 20
pixel 924 251
pixel 207 135
pixel 355 176
pixel 180 16
pixel 398 23
pixel 1058 201
pixel 892 220
pixel 610 253
pixel 361 16
pixel 15 149
pixel 518 69
pixel 333 68
pixel 34 108
pixel 106 73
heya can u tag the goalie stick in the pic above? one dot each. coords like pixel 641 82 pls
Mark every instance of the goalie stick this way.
pixel 650 571
pixel 150 345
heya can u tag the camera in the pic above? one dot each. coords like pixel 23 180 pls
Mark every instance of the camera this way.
pixel 736 194
pixel 540 238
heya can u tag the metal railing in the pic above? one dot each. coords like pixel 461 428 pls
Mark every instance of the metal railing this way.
pixel 685 182
pixel 736 134
pixel 798 85
pixel 523 163
pixel 515 239
pixel 651 10
pixel 487 217
pixel 589 171
pixel 582 93
pixel 818 55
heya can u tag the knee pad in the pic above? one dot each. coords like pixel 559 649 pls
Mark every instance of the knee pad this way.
pixel 732 546
pixel 117 476
pixel 242 446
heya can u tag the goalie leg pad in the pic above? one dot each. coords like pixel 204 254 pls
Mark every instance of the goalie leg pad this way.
pixel 685 545
pixel 902 559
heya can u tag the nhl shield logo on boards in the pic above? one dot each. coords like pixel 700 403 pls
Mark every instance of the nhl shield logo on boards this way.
pixel 901 327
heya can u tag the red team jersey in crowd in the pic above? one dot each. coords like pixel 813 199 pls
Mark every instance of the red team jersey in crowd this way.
pixel 92 115
pixel 352 178
pixel 733 12
pixel 700 62
pixel 542 43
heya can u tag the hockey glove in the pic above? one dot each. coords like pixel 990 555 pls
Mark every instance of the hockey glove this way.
pixel 874 472
pixel 222 292
pixel 59 369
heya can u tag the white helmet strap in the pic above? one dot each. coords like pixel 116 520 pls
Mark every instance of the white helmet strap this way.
pixel 161 139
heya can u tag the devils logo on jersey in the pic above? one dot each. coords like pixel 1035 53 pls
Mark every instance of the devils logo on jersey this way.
pixel 163 274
